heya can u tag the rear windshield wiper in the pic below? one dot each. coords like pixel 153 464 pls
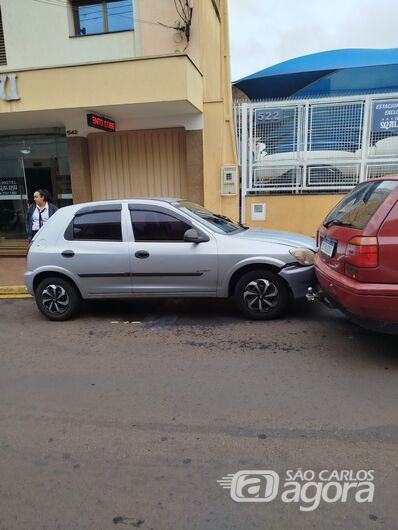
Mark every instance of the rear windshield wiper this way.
pixel 336 222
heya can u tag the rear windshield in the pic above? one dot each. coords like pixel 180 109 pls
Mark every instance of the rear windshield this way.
pixel 358 207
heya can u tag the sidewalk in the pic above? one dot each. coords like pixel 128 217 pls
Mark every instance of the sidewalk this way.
pixel 11 278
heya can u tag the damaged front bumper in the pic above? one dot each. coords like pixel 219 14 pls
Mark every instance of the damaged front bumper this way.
pixel 299 278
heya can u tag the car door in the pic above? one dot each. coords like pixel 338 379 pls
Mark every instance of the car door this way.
pixel 162 262
pixel 94 251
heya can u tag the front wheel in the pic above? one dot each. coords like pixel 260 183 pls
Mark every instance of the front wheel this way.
pixel 57 298
pixel 261 295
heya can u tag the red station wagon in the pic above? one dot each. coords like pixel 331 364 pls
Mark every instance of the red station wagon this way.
pixel 357 261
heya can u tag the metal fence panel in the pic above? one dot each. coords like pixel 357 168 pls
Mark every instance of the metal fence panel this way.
pixel 336 177
pixel 274 131
pixel 335 126
pixel 383 134
pixel 278 179
pixel 381 170
pixel 318 145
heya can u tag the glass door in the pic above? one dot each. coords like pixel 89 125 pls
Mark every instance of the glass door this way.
pixel 13 199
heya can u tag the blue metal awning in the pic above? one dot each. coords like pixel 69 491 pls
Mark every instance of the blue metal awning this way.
pixel 329 72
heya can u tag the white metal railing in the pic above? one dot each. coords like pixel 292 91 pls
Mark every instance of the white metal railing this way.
pixel 319 145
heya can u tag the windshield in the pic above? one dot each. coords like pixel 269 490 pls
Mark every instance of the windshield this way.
pixel 217 222
pixel 358 207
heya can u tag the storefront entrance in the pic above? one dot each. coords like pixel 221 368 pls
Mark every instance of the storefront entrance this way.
pixel 29 163
pixel 38 178
pixel 13 200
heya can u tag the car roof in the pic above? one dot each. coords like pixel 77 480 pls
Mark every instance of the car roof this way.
pixel 168 200
pixel 385 177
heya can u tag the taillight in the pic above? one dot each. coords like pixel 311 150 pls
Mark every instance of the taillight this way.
pixel 362 252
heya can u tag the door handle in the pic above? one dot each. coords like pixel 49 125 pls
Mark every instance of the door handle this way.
pixel 68 253
pixel 142 254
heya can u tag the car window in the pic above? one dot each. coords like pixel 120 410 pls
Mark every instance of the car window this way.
pixel 151 225
pixel 97 226
pixel 358 207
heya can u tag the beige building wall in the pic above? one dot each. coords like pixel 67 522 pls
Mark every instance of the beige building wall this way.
pixel 79 165
pixel 302 214
pixel 194 146
pixel 132 76
pixel 208 48
pixel 41 34
pixel 53 21
pixel 218 133
pixel 141 81
pixel 155 34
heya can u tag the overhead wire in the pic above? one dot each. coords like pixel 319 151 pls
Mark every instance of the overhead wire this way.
pixel 185 17
pixel 75 8
pixel 178 11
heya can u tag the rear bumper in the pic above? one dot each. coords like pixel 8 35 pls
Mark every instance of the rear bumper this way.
pixel 367 301
pixel 381 326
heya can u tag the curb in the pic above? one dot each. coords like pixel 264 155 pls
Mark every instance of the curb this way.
pixel 14 291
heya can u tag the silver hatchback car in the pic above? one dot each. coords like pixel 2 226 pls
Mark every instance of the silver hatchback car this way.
pixel 163 248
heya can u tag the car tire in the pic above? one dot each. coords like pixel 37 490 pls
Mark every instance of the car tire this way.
pixel 57 298
pixel 261 295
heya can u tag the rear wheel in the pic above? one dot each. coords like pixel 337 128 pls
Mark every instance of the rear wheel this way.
pixel 57 298
pixel 261 295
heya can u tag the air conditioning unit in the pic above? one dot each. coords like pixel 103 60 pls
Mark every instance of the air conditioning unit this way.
pixel 229 180
pixel 259 210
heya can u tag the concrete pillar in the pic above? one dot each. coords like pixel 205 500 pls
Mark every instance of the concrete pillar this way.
pixel 79 164
pixel 194 147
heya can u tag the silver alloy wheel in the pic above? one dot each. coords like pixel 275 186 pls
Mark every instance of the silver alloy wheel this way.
pixel 261 295
pixel 55 299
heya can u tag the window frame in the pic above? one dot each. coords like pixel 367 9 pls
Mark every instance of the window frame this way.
pixel 167 211
pixel 105 23
pixel 69 234
pixel 161 211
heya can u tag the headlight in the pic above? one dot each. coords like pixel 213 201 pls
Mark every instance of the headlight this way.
pixel 304 256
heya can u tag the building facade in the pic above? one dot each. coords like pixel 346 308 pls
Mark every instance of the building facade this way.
pixel 104 99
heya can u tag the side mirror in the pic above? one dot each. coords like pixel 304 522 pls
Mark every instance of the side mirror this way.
pixel 192 236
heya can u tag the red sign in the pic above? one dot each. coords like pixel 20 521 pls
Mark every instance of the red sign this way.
pixel 99 122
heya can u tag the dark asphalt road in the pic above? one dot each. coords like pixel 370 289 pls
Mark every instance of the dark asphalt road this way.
pixel 127 416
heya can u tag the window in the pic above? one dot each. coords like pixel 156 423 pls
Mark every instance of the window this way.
pixel 3 56
pixel 102 16
pixel 157 226
pixel 96 226
pixel 358 207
